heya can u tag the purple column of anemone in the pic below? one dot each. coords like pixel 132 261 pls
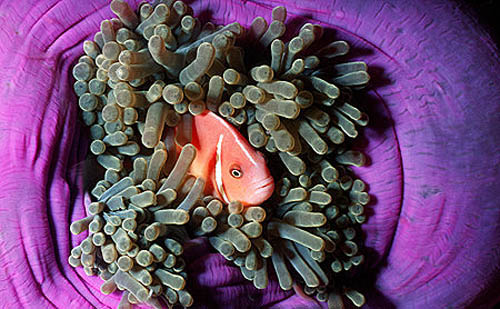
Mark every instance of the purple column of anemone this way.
pixel 433 231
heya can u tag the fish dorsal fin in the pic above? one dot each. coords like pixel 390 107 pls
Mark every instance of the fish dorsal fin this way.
pixel 218 170
pixel 184 134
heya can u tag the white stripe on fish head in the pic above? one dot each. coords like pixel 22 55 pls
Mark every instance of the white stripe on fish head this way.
pixel 246 151
pixel 233 130
pixel 218 170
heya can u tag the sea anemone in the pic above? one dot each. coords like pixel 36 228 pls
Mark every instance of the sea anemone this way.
pixel 432 219
pixel 155 68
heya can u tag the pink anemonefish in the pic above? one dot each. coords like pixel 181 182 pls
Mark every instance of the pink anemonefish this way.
pixel 232 168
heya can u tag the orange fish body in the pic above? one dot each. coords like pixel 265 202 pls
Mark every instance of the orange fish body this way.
pixel 232 168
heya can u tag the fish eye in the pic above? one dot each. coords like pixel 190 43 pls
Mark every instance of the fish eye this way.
pixel 236 172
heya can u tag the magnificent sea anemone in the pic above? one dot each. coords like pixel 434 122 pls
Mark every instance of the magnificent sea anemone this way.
pixel 432 232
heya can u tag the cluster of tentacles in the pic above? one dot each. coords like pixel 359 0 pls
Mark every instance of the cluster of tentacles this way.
pixel 149 71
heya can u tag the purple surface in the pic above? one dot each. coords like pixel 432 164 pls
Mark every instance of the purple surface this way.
pixel 433 235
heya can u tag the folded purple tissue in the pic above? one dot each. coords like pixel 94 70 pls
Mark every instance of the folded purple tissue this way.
pixel 432 229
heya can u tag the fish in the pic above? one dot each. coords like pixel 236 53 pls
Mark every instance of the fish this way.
pixel 232 168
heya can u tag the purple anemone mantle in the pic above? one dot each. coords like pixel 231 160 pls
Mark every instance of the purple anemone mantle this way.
pixel 433 235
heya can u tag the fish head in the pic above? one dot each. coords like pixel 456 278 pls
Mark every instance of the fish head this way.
pixel 241 172
pixel 238 171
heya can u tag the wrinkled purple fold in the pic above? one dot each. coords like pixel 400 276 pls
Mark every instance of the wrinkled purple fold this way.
pixel 433 232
